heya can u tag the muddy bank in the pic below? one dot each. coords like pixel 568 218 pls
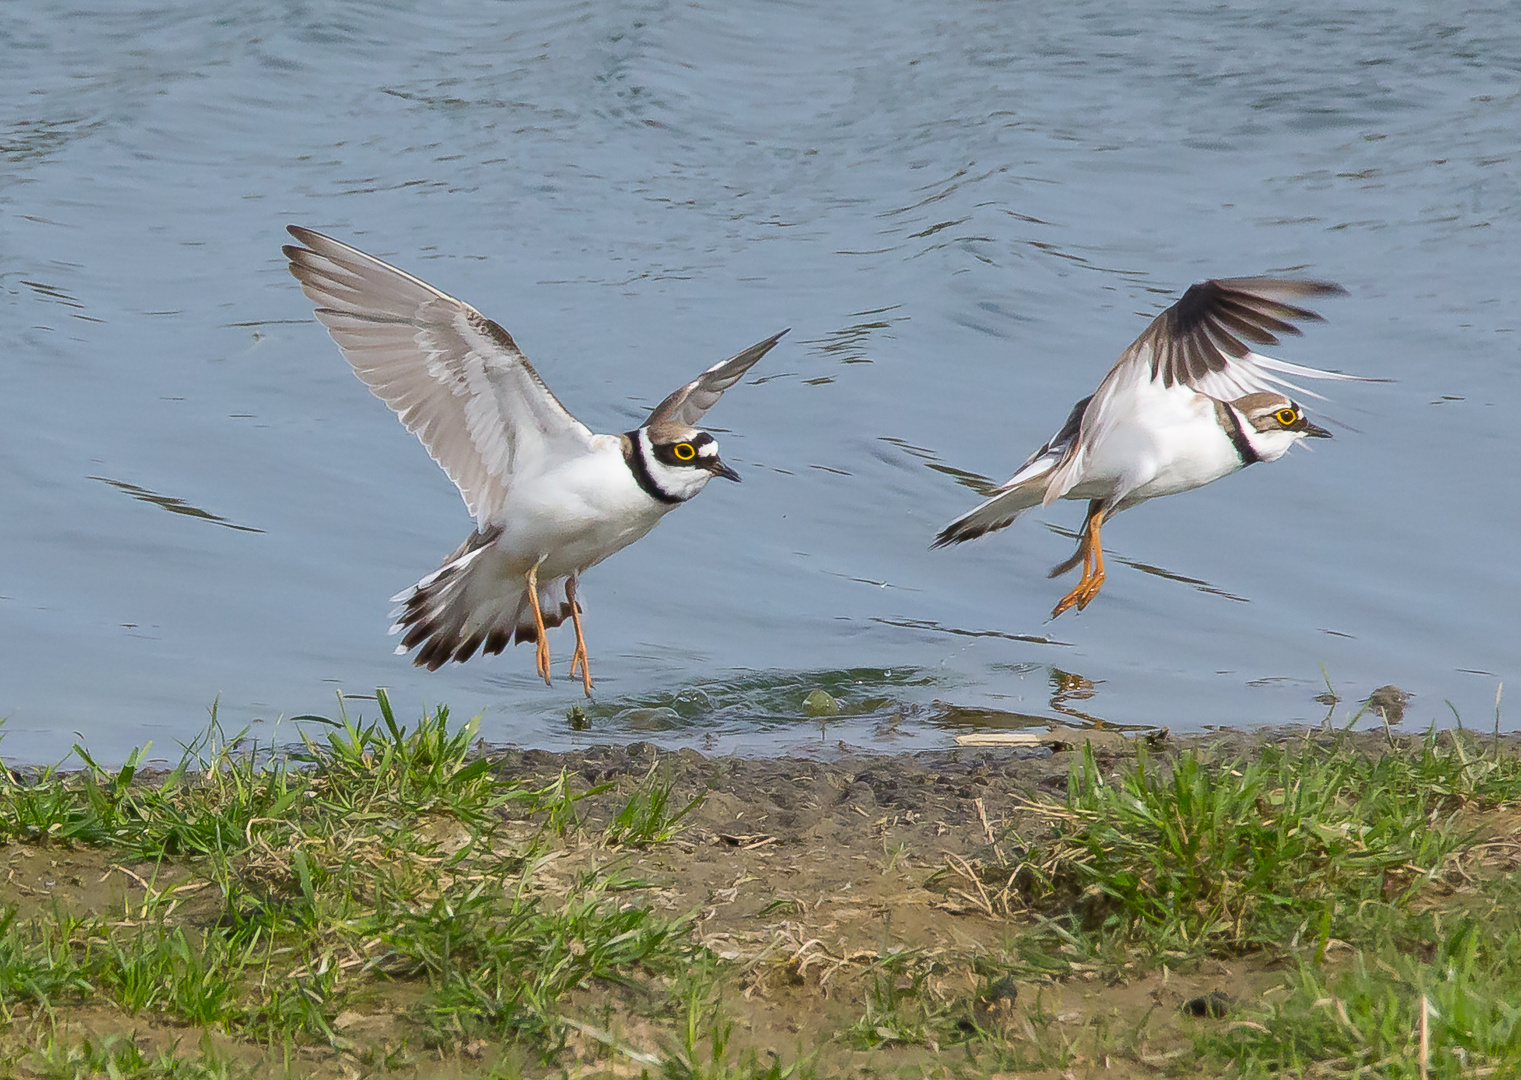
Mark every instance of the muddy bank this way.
pixel 821 879
pixel 852 798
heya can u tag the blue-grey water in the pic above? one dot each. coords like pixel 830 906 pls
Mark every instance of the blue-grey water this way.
pixel 963 210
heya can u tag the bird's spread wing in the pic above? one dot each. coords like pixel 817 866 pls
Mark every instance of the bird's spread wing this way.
pixel 456 379
pixel 687 405
pixel 1201 341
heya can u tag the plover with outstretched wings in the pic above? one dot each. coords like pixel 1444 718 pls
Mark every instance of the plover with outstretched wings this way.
pixel 550 498
pixel 1187 403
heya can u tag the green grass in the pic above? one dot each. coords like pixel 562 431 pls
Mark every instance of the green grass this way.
pixel 1218 857
pixel 370 856
pixel 898 1009
pixel 648 817
pixel 1464 974
pixel 1359 872
pixel 119 1058
pixel 500 960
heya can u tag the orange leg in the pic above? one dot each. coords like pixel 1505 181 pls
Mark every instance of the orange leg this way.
pixel 1096 581
pixel 542 656
pixel 580 654
pixel 1093 567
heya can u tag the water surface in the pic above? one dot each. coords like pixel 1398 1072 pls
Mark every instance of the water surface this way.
pixel 963 211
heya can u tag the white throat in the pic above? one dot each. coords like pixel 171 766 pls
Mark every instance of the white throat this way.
pixel 1269 445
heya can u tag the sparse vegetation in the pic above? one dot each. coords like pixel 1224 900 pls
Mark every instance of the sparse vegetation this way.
pixel 387 899
pixel 1230 855
pixel 1463 974
pixel 275 891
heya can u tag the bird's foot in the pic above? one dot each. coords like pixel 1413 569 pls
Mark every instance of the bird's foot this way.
pixel 1069 601
pixel 1091 590
pixel 1082 594
pixel 580 658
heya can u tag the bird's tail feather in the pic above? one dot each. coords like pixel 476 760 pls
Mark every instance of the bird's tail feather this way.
pixel 468 605
pixel 997 513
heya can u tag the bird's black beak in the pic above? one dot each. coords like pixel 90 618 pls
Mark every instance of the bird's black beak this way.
pixel 1315 432
pixel 718 468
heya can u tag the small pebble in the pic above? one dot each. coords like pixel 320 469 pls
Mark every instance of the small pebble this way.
pixel 1213 1005
pixel 820 703
pixel 994 1006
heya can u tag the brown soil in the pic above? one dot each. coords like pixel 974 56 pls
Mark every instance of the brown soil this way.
pixel 810 874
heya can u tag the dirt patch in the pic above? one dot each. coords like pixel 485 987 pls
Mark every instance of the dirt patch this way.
pixel 823 880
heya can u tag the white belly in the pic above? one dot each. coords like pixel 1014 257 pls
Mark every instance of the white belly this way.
pixel 576 515
pixel 1167 441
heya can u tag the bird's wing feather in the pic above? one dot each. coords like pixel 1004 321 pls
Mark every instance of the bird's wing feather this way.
pixel 456 379
pixel 687 405
pixel 1202 340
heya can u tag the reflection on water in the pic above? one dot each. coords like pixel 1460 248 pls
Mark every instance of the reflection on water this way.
pixel 53 293
pixel 761 699
pixel 864 707
pixel 964 718
pixel 29 140
pixel 1147 568
pixel 983 486
pixel 173 505
pixel 930 624
pixel 867 707
pixel 849 344
pixel 1066 688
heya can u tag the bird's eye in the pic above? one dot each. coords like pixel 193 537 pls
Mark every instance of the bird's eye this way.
pixel 684 451
pixel 1286 417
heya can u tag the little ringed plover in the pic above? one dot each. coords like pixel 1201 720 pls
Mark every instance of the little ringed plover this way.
pixel 1187 403
pixel 550 498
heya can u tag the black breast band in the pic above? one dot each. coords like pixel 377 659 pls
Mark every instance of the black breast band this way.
pixel 633 454
pixel 1232 425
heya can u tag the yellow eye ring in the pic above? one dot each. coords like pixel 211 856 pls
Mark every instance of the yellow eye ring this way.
pixel 1286 417
pixel 684 451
